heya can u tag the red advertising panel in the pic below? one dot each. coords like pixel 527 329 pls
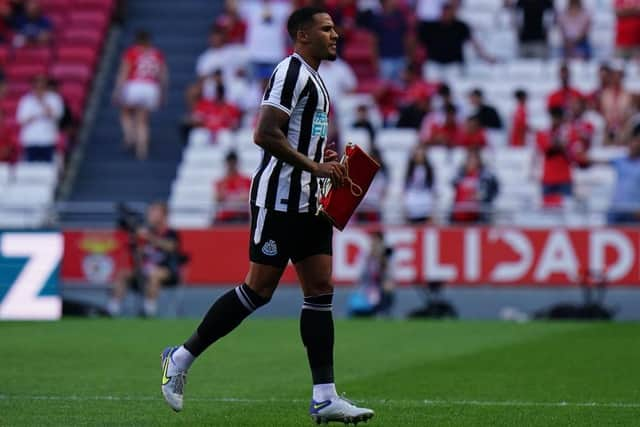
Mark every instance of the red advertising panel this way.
pixel 482 255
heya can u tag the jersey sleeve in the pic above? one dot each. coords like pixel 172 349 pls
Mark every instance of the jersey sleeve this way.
pixel 285 86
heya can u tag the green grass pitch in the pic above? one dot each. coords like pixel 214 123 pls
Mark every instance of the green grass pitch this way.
pixel 102 372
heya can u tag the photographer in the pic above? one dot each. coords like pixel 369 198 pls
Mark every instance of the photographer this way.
pixel 155 252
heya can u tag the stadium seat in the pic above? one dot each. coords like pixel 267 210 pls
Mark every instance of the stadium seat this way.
pixel 5 174
pixel 4 55
pixel 105 6
pixel 26 196
pixel 88 19
pixel 79 73
pixel 32 55
pixel 82 37
pixel 76 54
pixel 358 137
pixel 399 139
pixel 24 72
pixel 35 173
pixel 49 6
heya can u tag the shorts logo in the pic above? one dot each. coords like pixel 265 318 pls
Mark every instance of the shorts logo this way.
pixel 270 248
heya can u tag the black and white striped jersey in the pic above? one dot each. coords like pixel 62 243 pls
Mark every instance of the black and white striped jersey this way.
pixel 297 89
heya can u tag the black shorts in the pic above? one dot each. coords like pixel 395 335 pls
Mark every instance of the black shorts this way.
pixel 277 237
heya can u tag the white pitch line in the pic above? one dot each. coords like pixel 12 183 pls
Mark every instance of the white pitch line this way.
pixel 416 402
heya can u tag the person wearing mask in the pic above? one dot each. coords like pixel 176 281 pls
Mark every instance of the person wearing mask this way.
pixel 575 23
pixel 419 181
pixel 475 189
pixel 38 114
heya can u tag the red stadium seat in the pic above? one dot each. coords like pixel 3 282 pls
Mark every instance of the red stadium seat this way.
pixel 9 107
pixel 88 19
pixel 77 54
pixel 77 107
pixel 16 89
pixel 101 5
pixel 32 55
pixel 59 21
pixel 80 73
pixel 82 37
pixel 49 6
pixel 4 55
pixel 72 91
pixel 25 72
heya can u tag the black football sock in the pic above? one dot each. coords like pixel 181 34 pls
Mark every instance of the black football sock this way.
pixel 224 316
pixel 316 329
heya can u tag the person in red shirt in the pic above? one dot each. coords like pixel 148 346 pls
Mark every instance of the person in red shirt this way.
pixel 472 134
pixel 566 93
pixel 475 189
pixel 627 27
pixel 556 148
pixel 231 23
pixel 520 121
pixel 232 193
pixel 141 84
pixel 442 130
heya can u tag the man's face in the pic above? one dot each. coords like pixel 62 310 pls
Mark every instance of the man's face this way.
pixel 323 37
pixel 155 216
pixel 564 76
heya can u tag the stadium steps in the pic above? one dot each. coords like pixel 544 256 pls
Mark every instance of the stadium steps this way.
pixel 107 173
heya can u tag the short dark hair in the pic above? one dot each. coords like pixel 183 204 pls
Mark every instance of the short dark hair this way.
pixel 301 18
pixel 231 156
pixel 635 133
pixel 143 36
pixel 477 92
pixel 520 94
pixel 450 109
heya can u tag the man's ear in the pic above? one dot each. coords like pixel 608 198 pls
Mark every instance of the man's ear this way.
pixel 302 36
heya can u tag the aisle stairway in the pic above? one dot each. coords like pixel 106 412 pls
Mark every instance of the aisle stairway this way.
pixel 107 173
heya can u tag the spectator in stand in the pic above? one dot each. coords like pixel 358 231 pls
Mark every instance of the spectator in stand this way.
pixel 266 39
pixel 370 209
pixel 520 121
pixel 231 24
pixel 487 114
pixel 445 40
pixel 338 77
pixel 554 146
pixel 616 106
pixel 32 28
pixel 581 130
pixel 390 25
pixel 364 122
pixel 418 194
pixel 232 193
pixel 575 23
pixel 562 97
pixel 415 112
pixel 214 115
pixel 216 57
pixel 475 189
pixel 533 21
pixel 141 85
pixel 604 80
pixel 472 134
pixel 9 148
pixel 38 114
pixel 625 204
pixel 627 28
pixel 444 130
pixel 428 13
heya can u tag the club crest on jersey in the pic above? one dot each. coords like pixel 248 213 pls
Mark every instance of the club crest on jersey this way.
pixel 320 124
pixel 270 248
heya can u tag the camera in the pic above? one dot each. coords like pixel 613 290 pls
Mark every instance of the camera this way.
pixel 128 219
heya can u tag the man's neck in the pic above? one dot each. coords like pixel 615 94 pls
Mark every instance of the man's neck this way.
pixel 310 60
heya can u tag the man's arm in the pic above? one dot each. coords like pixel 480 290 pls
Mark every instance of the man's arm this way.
pixel 270 137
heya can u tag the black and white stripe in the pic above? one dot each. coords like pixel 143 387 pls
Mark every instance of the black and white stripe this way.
pixel 297 89
pixel 318 303
pixel 245 299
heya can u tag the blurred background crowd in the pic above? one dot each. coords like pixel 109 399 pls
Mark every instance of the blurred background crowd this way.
pixel 505 111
